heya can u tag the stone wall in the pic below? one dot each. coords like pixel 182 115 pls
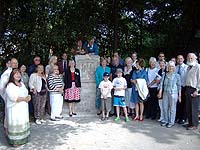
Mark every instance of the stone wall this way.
pixel 87 66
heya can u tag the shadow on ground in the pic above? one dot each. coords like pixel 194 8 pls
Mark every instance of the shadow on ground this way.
pixel 51 135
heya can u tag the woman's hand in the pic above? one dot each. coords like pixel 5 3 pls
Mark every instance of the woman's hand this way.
pixel 33 91
pixel 105 97
pixel 60 90
pixel 179 98
pixel 28 98
pixel 195 94
pixel 134 81
pixel 159 94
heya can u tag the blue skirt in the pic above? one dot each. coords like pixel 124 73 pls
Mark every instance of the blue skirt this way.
pixel 135 96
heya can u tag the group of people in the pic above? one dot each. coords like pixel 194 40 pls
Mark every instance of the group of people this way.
pixel 170 88
pixel 40 90
pixel 167 91
pixel 33 92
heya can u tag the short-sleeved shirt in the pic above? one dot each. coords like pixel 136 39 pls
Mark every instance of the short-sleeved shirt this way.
pixel 106 87
pixel 119 83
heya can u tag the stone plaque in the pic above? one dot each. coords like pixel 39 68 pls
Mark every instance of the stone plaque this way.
pixel 87 66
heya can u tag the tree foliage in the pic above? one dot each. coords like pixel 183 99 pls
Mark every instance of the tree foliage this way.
pixel 33 27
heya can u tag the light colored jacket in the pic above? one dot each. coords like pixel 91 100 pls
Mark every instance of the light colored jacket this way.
pixel 35 82
pixel 142 88
pixel 3 81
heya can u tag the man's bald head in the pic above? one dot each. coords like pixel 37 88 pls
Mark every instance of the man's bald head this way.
pixel 14 63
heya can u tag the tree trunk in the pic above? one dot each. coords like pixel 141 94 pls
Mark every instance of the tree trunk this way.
pixel 141 30
pixel 2 17
pixel 116 21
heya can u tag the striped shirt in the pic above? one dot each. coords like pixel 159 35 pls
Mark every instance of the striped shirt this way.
pixel 54 82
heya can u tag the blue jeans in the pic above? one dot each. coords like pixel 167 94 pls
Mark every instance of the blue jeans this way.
pixel 169 109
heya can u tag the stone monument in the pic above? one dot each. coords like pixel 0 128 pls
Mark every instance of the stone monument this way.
pixel 87 65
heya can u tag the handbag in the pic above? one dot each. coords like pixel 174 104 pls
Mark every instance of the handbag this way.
pixel 163 87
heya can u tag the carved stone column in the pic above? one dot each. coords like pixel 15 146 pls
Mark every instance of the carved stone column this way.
pixel 87 66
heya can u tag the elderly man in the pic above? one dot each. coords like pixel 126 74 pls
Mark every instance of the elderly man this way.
pixel 6 74
pixel 192 90
pixel 32 68
pixel 3 81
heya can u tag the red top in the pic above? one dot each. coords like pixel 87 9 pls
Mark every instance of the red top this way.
pixel 73 76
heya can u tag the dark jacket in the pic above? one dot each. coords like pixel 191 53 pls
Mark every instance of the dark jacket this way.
pixel 128 78
pixel 68 78
pixel 32 69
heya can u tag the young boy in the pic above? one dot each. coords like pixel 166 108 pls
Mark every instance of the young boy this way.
pixel 105 88
pixel 120 84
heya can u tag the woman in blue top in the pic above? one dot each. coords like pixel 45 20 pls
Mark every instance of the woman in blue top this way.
pixel 91 47
pixel 170 87
pixel 99 77
pixel 140 73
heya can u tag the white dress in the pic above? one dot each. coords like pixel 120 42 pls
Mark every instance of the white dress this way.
pixel 17 114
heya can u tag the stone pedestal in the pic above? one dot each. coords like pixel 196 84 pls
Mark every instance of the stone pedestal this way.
pixel 87 66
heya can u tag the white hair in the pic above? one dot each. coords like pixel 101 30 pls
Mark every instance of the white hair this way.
pixel 152 59
pixel 52 58
pixel 171 63
pixel 193 55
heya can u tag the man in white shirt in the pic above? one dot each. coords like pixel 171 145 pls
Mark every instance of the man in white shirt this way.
pixel 134 58
pixel 161 57
pixel 5 76
pixel 192 91
pixel 3 81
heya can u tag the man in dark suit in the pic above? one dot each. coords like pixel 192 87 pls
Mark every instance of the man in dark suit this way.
pixel 63 64
pixel 36 62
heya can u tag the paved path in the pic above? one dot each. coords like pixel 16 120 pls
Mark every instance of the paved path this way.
pixel 88 132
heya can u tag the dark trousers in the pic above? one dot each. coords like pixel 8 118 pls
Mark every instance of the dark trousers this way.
pixel 181 107
pixel 31 108
pixel 39 102
pixel 152 104
pixel 192 107
pixel 3 106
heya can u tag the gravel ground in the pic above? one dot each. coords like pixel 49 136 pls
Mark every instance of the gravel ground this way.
pixel 88 132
